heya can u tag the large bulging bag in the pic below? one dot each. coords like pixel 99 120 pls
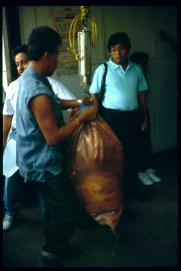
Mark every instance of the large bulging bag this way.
pixel 95 157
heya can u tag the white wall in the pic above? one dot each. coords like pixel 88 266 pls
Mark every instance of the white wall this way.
pixel 142 24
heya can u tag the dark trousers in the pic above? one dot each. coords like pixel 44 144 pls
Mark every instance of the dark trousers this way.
pixel 146 145
pixel 61 208
pixel 126 125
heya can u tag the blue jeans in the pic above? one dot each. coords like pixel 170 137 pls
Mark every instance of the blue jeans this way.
pixel 15 194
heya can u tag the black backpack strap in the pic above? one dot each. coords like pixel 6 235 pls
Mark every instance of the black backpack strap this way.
pixel 103 84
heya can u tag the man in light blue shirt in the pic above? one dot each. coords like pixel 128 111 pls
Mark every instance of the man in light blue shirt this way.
pixel 41 142
pixel 14 190
pixel 124 93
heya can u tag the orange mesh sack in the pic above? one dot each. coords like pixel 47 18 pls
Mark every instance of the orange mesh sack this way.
pixel 95 158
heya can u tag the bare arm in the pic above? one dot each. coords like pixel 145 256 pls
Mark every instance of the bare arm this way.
pixel 142 96
pixel 66 104
pixel 45 117
pixel 95 101
pixel 7 120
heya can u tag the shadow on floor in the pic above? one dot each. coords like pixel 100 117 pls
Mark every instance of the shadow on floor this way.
pixel 147 232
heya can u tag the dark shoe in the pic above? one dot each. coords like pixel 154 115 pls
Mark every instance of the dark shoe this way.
pixel 51 259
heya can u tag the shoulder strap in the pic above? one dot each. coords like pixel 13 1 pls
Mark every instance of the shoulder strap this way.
pixel 103 83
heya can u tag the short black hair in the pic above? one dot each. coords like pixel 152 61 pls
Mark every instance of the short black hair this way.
pixel 119 37
pixel 42 39
pixel 20 49
pixel 139 57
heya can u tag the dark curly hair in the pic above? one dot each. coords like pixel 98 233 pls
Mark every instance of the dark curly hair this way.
pixel 42 39
pixel 20 49
pixel 119 37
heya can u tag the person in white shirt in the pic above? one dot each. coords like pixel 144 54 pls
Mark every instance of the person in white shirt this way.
pixel 14 183
pixel 146 175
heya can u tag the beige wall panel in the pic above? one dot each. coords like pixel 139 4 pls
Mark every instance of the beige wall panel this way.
pixel 142 24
